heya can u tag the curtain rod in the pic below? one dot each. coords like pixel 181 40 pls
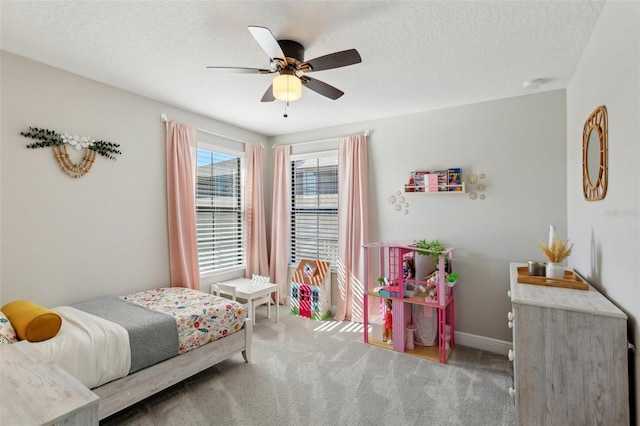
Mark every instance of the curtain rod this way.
pixel 366 133
pixel 163 118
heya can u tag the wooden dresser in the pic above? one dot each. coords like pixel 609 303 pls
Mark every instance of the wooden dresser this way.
pixel 569 356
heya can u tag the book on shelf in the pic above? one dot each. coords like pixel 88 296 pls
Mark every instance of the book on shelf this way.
pixel 443 179
pixel 454 178
pixel 431 182
pixel 437 181
pixel 418 180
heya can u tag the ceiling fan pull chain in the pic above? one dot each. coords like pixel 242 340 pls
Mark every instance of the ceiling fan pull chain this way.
pixel 286 104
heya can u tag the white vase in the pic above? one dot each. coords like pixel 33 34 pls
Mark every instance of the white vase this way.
pixel 552 234
pixel 554 270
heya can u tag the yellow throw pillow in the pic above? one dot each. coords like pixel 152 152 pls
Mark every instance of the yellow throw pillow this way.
pixel 32 322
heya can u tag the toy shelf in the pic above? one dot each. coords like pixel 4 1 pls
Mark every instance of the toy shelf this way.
pixel 390 264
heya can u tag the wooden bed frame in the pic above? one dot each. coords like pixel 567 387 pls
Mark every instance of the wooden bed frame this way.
pixel 121 393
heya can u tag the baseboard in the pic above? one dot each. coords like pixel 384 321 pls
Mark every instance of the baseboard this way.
pixel 483 343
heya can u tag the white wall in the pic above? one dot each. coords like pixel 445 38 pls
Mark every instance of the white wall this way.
pixel 606 233
pixel 519 143
pixel 66 240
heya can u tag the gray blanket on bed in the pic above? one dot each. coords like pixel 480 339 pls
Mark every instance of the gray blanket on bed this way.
pixel 153 336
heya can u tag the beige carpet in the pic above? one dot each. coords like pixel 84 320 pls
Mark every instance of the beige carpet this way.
pixel 306 372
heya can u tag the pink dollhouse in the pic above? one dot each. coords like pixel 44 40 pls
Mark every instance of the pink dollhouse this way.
pixel 422 306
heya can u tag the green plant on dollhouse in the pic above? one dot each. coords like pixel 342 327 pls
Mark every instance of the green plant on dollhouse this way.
pixel 452 279
pixel 434 248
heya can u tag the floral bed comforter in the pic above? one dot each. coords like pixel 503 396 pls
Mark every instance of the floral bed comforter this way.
pixel 201 317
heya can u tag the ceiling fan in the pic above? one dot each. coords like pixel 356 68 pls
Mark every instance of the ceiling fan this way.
pixel 287 59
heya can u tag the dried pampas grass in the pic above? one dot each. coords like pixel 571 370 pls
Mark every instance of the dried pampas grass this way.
pixel 558 250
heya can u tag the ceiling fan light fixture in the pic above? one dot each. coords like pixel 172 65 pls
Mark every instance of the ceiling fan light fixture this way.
pixel 287 87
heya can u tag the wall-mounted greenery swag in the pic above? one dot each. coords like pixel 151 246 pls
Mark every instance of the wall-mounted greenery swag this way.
pixel 59 143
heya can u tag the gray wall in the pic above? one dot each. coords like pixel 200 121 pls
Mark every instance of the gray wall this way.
pixel 66 240
pixel 518 143
pixel 607 233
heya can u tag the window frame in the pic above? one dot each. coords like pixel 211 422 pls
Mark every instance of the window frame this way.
pixel 218 149
pixel 293 257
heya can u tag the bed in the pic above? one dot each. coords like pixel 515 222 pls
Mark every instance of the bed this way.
pixel 128 348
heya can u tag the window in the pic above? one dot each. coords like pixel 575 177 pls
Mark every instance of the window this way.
pixel 314 207
pixel 220 222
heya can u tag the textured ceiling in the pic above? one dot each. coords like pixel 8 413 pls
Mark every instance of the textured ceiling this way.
pixel 416 56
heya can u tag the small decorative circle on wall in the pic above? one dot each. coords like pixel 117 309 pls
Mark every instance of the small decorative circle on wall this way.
pixel 475 187
pixel 472 178
pixel 399 202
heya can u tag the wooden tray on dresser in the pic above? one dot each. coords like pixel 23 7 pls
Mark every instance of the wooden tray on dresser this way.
pixel 570 280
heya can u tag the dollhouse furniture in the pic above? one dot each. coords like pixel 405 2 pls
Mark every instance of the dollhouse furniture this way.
pixel 310 290
pixel 256 291
pixel 569 356
pixel 406 294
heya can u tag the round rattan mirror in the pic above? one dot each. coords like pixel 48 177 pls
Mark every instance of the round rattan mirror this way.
pixel 594 155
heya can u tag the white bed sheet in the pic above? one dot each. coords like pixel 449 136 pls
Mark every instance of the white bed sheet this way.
pixel 93 350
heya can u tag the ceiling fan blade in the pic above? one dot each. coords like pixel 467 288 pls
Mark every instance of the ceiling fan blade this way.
pixel 268 43
pixel 321 87
pixel 334 60
pixel 268 95
pixel 236 70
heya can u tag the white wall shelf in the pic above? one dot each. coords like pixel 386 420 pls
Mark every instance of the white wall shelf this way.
pixel 451 189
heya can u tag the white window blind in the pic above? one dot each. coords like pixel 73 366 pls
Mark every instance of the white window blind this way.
pixel 314 208
pixel 220 222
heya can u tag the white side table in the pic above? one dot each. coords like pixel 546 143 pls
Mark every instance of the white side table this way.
pixel 246 288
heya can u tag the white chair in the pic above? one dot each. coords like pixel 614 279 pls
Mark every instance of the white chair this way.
pixel 219 289
pixel 263 300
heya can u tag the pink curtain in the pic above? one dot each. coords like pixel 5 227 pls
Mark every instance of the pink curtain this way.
pixel 182 145
pixel 256 238
pixel 353 225
pixel 281 220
